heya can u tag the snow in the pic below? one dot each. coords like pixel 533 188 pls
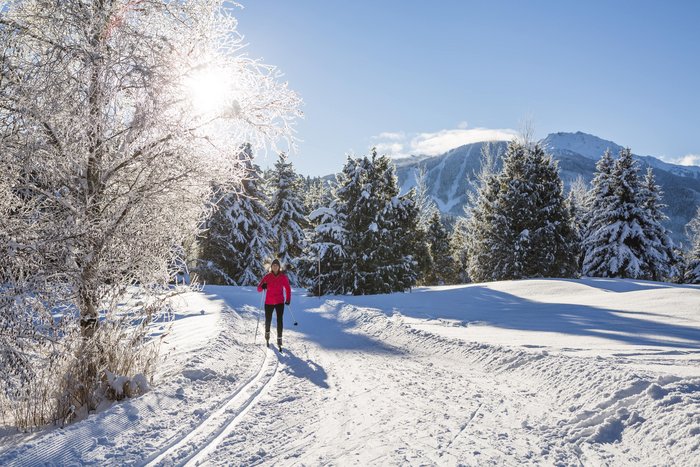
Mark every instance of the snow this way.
pixel 548 371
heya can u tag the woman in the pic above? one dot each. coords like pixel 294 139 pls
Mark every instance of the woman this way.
pixel 275 283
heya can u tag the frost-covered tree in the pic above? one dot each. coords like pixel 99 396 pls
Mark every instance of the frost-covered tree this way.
pixel 443 269
pixel 317 193
pixel 577 199
pixel 323 262
pixel 237 242
pixel 623 233
pixel 287 216
pixel 369 231
pixel 115 118
pixel 476 238
pixel 660 256
pixel 410 248
pixel 459 246
pixel 424 202
pixel 692 270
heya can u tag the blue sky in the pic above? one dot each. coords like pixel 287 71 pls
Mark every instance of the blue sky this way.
pixel 418 76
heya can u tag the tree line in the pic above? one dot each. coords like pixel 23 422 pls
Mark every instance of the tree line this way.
pixel 359 235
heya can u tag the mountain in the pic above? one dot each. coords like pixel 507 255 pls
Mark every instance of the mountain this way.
pixel 449 175
pixel 593 147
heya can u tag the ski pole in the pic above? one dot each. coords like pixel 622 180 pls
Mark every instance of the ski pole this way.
pixel 293 317
pixel 262 301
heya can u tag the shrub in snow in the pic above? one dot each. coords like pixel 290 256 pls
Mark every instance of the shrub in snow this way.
pixel 110 137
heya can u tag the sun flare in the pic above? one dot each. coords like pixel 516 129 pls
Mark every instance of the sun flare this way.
pixel 209 89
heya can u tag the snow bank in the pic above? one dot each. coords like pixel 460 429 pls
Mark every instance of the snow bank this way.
pixel 629 391
pixel 205 355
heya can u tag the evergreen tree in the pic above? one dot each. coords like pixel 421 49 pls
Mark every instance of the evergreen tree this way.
pixel 576 200
pixel 660 255
pixel 482 238
pixel 443 265
pixel 237 242
pixel 316 193
pixel 378 229
pixel 287 216
pixel 424 202
pixel 375 215
pixel 523 227
pixel 599 196
pixel 618 242
pixel 475 237
pixel 323 263
pixel 409 241
pixel 692 272
pixel 459 240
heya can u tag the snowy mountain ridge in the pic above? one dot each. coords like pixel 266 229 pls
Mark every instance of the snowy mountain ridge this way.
pixel 593 147
pixel 449 175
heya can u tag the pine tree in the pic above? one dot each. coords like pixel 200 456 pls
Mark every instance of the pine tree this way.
pixel 692 273
pixel 287 217
pixel 523 227
pixel 599 196
pixel 443 265
pixel 617 242
pixel 317 193
pixel 660 255
pixel 424 202
pixel 323 263
pixel 482 238
pixel 459 241
pixel 378 229
pixel 410 247
pixel 237 242
pixel 576 200
pixel 476 238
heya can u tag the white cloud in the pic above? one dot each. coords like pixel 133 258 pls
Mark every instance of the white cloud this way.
pixel 439 142
pixel 689 159
pixel 399 144
pixel 391 135
pixel 392 149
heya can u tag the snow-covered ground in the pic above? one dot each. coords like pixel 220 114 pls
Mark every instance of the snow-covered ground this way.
pixel 567 372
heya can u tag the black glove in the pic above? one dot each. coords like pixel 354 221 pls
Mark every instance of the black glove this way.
pixel 287 303
pixel 264 286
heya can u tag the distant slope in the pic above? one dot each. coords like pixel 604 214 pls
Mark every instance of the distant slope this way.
pixel 449 174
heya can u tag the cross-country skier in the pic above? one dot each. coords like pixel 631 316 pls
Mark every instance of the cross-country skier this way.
pixel 275 283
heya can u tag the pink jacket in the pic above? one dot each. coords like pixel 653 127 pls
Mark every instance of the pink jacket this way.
pixel 275 285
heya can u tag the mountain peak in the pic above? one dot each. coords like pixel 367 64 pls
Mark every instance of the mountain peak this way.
pixel 587 145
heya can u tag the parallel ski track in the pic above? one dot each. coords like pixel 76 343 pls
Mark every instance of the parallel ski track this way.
pixel 189 450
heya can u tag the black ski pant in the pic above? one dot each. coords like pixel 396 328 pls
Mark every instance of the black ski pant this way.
pixel 279 308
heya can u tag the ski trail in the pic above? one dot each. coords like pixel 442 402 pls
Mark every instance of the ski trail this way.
pixel 466 425
pixel 205 437
pixel 243 410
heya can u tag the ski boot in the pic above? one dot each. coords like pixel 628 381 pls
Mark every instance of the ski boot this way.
pixel 279 343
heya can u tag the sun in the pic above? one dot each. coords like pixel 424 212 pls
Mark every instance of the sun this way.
pixel 208 89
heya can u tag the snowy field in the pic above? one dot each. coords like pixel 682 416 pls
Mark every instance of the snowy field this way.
pixel 546 372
